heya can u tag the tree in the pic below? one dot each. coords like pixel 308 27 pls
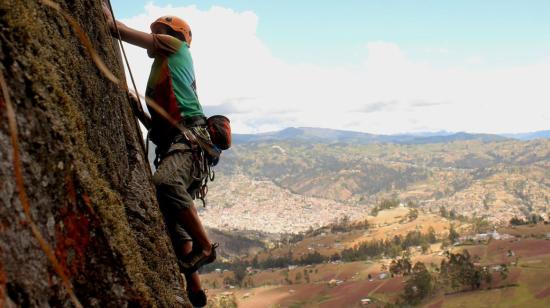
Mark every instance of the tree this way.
pixel 419 284
pixel 432 238
pixel 395 268
pixel 401 266
pixel 535 219
pixel 287 279
pixel 503 271
pixel 413 214
pixel 459 271
pixel 335 257
pixel 384 205
pixel 445 243
pixel 397 240
pixel 425 246
pixel 394 251
pixel 443 211
pixel 515 221
pixel 312 258
pixel 452 214
pixel 239 273
pixel 453 235
pixel 480 225
pixel 298 277
pixel 255 263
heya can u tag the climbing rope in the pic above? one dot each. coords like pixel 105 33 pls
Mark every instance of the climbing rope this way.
pixel 124 54
pixel 146 146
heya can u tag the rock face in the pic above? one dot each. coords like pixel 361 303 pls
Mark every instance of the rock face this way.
pixel 85 173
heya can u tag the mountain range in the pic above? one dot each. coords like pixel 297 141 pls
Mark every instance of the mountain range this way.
pixel 326 135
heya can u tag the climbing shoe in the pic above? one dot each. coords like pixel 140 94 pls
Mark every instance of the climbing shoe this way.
pixel 197 299
pixel 197 259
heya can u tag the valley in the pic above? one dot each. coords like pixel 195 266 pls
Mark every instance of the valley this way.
pixel 322 223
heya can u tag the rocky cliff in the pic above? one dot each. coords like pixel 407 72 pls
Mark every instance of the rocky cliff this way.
pixel 91 227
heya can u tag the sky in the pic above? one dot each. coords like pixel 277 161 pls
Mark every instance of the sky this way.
pixel 374 66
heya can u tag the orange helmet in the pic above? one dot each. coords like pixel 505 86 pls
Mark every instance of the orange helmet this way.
pixel 177 24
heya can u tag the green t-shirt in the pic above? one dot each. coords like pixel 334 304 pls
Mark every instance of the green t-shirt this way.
pixel 172 83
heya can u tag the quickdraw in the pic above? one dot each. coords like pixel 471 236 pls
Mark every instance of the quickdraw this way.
pixel 201 170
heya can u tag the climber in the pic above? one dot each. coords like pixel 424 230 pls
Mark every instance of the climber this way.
pixel 172 86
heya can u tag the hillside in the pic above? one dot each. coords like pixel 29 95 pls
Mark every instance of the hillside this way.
pixel 237 202
pixel 525 252
pixel 79 221
pixel 237 244
pixel 531 135
pixel 330 136
pixel 497 179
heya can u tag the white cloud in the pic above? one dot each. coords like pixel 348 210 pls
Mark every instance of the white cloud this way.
pixel 236 71
pixel 436 50
pixel 475 60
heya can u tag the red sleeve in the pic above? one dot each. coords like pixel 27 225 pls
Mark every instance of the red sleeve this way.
pixel 164 45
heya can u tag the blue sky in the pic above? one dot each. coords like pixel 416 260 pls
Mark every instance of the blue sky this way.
pixel 374 66
pixel 503 32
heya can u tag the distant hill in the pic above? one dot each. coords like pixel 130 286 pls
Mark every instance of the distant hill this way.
pixel 330 136
pixel 501 179
pixel 530 136
pixel 237 243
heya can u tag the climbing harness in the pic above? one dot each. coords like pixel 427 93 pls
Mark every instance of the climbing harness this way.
pixel 201 171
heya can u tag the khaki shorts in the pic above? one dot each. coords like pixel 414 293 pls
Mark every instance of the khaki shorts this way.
pixel 172 179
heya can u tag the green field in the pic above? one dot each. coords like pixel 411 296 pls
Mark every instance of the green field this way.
pixel 345 284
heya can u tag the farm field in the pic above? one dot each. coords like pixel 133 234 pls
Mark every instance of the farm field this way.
pixel 387 224
pixel 345 284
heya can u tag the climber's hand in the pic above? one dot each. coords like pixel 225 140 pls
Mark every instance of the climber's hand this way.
pixel 138 110
pixel 134 101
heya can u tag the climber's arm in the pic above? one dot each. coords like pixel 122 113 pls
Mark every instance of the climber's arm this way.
pixel 127 34
pixel 143 117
